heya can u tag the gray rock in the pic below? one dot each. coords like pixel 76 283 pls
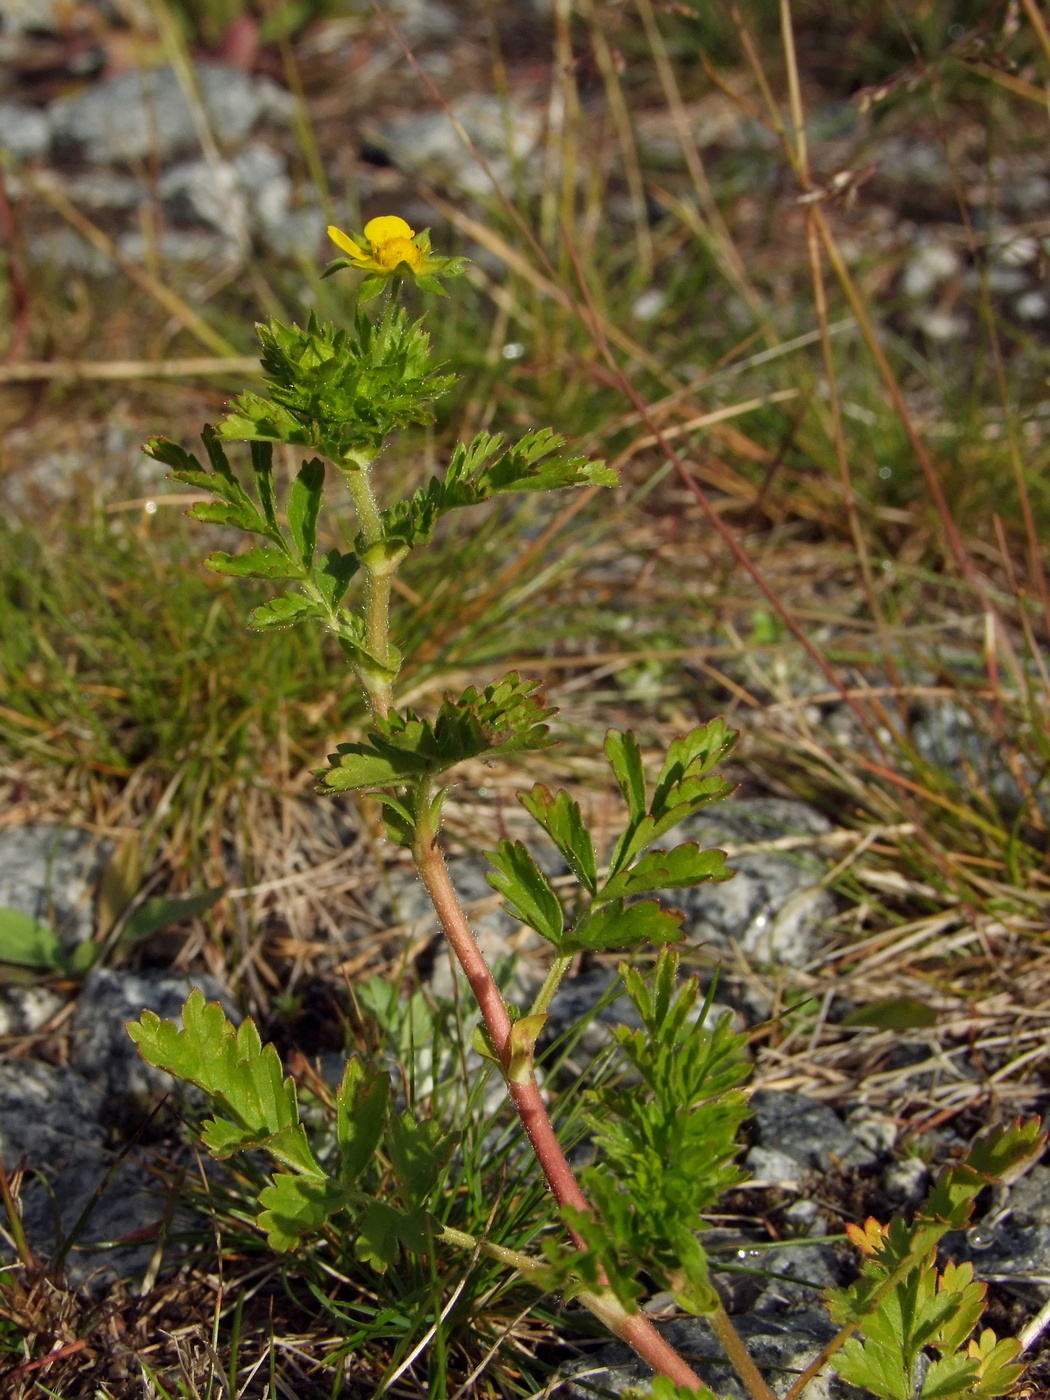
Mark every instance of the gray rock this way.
pixel 25 132
pixel 101 1048
pixel 420 20
pixel 781 1346
pixel 65 251
pixel 23 1010
pixel 506 138
pixel 771 1167
pixel 132 1203
pixel 48 1115
pixel 143 114
pixel 798 1273
pixel 806 1130
pixel 774 907
pixel 105 189
pixel 1004 1250
pixel 947 737
pixel 50 872
pixel 905 1180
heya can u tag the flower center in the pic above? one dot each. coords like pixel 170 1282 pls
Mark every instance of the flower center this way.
pixel 397 250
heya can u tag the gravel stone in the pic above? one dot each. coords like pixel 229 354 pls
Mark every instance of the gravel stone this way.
pixel 48 1114
pixel 23 1010
pixel 142 114
pixel 49 872
pixel 806 1130
pixel 101 1048
pixel 905 1181
pixel 25 132
pixel 430 141
pixel 782 1346
pixel 774 907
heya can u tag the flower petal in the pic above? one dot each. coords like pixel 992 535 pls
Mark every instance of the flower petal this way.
pixel 344 241
pixel 384 228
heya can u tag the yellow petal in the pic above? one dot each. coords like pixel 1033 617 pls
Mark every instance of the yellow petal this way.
pixel 344 241
pixel 386 227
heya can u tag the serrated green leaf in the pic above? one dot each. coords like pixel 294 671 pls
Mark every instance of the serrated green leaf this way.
pixel 948 1376
pixel 524 886
pixel 26 942
pixel 563 822
pixel 262 562
pixel 294 1206
pixel 333 574
pixel 663 1388
pixel 219 513
pixel 163 912
pixel 689 761
pixel 419 1150
pixel 625 759
pixel 505 717
pixel 243 1077
pixel 378 1236
pixel 370 289
pixel 615 925
pixel 679 868
pixel 282 611
pixel 361 1110
pixel 872 1369
pixel 304 504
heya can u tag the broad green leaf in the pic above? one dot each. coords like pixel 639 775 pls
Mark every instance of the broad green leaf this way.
pixel 615 925
pixel 361 1109
pixel 625 759
pixel 262 562
pixel 948 1376
pixel 304 504
pixel 333 574
pixel 294 1206
pixel 969 1295
pixel 26 942
pixel 562 820
pixel 243 1077
pixel 282 611
pixel 356 766
pixel 164 911
pixel 378 1235
pixel 663 1388
pixel 875 1370
pixel 419 1149
pixel 218 513
pixel 524 886
pixel 997 1372
pixel 679 868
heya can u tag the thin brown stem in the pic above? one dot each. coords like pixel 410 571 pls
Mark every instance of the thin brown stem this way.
pixel 635 1329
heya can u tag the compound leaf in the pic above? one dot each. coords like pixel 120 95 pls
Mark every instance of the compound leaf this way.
pixel 242 1076
pixel 262 562
pixel 282 611
pixel 679 868
pixel 615 925
pixel 524 886
pixel 562 820
pixel 294 1206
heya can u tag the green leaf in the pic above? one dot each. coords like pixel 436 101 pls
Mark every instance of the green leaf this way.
pixel 625 759
pixel 162 912
pixel 562 820
pixel 340 393
pixel 333 574
pixel 479 470
pixel 679 868
pixel 506 716
pixel 361 1109
pixel 419 1150
pixel 282 611
pixel 689 761
pixel 294 1206
pixel 378 1236
pixel 615 925
pixel 242 1076
pixel 262 562
pixel 235 506
pixel 893 1014
pixel 663 1388
pixel 524 886
pixel 304 504
pixel 26 942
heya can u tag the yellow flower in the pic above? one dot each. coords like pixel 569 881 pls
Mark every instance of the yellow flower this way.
pixel 390 243
pixel 390 249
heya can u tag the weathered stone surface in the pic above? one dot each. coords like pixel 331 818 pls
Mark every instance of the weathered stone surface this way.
pixel 807 1130
pixel 49 872
pixel 48 1115
pixel 145 113
pixel 774 906
pixel 101 1048
pixel 782 1346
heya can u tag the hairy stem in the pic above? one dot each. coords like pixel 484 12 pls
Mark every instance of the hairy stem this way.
pixel 635 1329
pixel 739 1355
pixel 378 687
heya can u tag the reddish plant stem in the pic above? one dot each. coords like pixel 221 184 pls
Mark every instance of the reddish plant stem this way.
pixel 635 1329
